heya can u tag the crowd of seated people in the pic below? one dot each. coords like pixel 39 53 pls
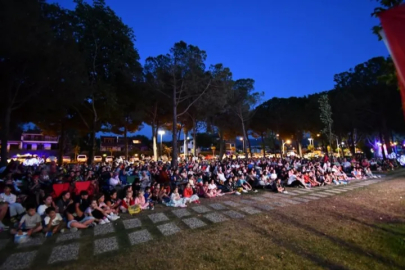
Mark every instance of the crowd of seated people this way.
pixel 31 200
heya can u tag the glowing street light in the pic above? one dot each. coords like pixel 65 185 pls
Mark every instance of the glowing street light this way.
pixel 318 135
pixel 243 141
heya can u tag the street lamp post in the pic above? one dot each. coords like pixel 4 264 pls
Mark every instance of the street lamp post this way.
pixel 243 141
pixel 285 142
pixel 161 133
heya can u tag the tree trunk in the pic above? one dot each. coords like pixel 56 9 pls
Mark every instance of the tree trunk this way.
pixel 330 141
pixel 194 139
pixel 353 144
pixel 299 140
pixel 387 137
pixel 221 144
pixel 185 144
pixel 126 141
pixel 299 148
pixel 249 146
pixel 179 132
pixel 174 132
pixel 92 143
pixel 263 144
pixel 382 146
pixel 5 130
pixel 244 139
pixel 154 142
pixel 61 143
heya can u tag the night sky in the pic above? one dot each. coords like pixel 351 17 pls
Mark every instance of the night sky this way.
pixel 290 48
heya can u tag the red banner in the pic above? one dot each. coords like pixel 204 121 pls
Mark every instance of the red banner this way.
pixel 393 24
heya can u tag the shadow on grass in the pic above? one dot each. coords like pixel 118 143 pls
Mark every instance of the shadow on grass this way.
pixel 352 247
pixel 384 227
pixel 279 240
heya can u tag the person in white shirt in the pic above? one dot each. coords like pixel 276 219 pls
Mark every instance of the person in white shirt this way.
pixel 10 199
pixel 221 176
pixel 53 222
pixel 145 180
pixel 48 202
pixel 115 180
pixel 214 190
pixel 273 175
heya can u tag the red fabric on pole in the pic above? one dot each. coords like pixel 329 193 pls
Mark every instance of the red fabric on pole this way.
pixel 393 24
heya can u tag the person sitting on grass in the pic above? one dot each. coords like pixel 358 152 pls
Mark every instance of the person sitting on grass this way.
pixel 140 200
pixel 369 174
pixel 127 202
pixel 148 198
pixel 163 197
pixel 48 202
pixel 63 203
pixel 113 202
pixel 242 183
pixel 53 222
pixel 115 180
pixel 155 192
pixel 214 190
pixel 29 223
pixel 16 209
pixel 204 191
pixel 105 208
pixel 99 215
pixel 328 178
pixel 277 187
pixel 312 179
pixel 176 200
pixel 3 212
pixel 230 186
pixel 357 173
pixel 295 180
pixel 189 196
pixel 75 213
pixel 335 179
pixel 341 175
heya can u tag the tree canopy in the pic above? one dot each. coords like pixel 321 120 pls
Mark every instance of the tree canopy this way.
pixel 77 72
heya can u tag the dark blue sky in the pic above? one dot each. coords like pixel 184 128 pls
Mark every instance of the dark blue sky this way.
pixel 290 48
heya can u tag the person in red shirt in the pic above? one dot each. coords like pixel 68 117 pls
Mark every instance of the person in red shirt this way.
pixel 127 202
pixel 164 177
pixel 189 195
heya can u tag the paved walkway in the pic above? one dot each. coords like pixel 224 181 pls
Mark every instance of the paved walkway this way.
pixel 150 225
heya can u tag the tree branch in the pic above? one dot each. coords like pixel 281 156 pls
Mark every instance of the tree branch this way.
pixel 81 117
pixel 195 100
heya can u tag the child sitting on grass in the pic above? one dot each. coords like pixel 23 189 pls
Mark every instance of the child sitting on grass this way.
pixel 105 208
pixel 127 202
pixel 29 223
pixel 100 216
pixel 148 198
pixel 163 197
pixel 140 200
pixel 53 222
